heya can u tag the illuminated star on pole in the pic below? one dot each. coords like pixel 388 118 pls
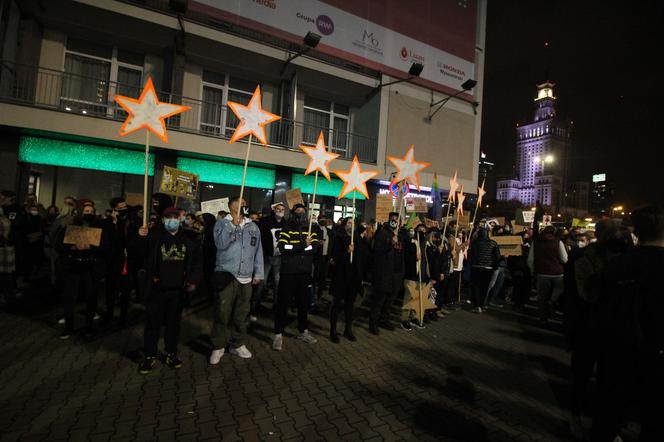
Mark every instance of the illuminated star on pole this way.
pixel 460 198
pixel 320 157
pixel 355 179
pixel 407 168
pixel 480 194
pixel 253 118
pixel 147 112
pixel 454 185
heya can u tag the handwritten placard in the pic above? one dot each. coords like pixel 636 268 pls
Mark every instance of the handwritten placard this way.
pixel 82 235
pixel 293 197
pixel 179 183
pixel 383 207
pixel 509 245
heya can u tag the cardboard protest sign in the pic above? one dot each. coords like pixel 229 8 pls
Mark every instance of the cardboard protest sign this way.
pixel 517 228
pixel 546 220
pixel 134 199
pixel 431 223
pixel 215 206
pixel 82 235
pixel 179 183
pixel 464 220
pixel 509 245
pixel 417 205
pixel 294 196
pixel 383 207
pixel 524 217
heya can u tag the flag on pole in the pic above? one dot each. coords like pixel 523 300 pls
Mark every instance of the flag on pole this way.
pixel 437 201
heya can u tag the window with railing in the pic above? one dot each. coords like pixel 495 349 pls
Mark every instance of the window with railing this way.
pixel 94 74
pixel 218 89
pixel 331 118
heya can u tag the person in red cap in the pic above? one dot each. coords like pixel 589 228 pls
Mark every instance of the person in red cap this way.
pixel 173 267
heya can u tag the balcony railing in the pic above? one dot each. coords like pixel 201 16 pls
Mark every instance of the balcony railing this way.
pixel 94 97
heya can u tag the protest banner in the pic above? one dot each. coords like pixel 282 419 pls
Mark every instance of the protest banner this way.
pixel 215 206
pixel 294 196
pixel 384 205
pixel 82 235
pixel 179 183
pixel 133 199
pixel 509 245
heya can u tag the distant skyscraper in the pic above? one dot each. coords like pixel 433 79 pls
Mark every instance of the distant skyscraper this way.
pixel 602 195
pixel 542 156
pixel 578 195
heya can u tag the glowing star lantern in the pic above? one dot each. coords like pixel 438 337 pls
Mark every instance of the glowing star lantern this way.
pixel 319 157
pixel 460 199
pixel 454 185
pixel 147 112
pixel 407 168
pixel 355 179
pixel 253 118
pixel 480 194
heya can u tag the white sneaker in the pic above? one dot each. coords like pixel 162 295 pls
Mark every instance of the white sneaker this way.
pixel 278 342
pixel 241 351
pixel 216 355
pixel 61 321
pixel 252 318
pixel 97 317
pixel 307 337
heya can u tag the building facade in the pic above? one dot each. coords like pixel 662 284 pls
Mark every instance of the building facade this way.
pixel 603 195
pixel 542 160
pixel 64 61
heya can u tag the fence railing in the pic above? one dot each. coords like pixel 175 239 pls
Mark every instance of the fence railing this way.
pixel 94 97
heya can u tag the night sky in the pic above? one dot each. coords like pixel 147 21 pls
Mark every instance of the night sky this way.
pixel 605 61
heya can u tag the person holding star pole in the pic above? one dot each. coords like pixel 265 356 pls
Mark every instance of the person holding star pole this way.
pixel 355 179
pixel 149 113
pixel 319 160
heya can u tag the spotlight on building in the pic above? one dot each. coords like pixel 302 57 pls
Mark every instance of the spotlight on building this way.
pixel 414 71
pixel 465 87
pixel 309 41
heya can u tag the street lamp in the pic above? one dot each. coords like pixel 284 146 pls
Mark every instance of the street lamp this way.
pixel 542 161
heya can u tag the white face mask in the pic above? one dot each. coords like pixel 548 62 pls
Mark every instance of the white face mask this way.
pixel 34 212
pixel 279 214
pixel 581 244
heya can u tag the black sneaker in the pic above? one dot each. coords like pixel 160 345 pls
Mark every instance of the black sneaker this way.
pixel 406 326
pixel 173 361
pixel 387 325
pixel 417 324
pixel 147 365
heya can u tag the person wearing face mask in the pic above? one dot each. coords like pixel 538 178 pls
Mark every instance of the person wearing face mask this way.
pixel 173 268
pixel 239 267
pixel 298 250
pixel 416 271
pixel 83 266
pixel 387 272
pixel 270 226
pixel 347 277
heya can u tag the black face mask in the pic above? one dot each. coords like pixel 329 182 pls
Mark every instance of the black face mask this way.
pixel 244 210
pixel 89 218
pixel 122 215
pixel 300 218
pixel 393 224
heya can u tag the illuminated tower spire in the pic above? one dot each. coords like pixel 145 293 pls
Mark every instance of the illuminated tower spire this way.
pixel 545 101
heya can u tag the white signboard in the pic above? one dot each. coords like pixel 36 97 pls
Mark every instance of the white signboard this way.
pixel 528 216
pixel 215 206
pixel 349 36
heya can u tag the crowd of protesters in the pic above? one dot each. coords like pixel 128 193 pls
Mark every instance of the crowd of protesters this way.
pixel 604 284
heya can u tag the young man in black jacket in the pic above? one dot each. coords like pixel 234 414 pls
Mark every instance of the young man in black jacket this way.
pixel 483 256
pixel 388 272
pixel 270 226
pixel 173 268
pixel 298 250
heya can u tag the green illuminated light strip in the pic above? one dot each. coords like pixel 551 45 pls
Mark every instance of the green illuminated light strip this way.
pixel 327 188
pixel 226 173
pixel 83 156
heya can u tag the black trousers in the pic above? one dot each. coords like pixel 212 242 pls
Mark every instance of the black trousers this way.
pixel 345 301
pixel 163 308
pixel 292 286
pixel 583 360
pixel 479 280
pixel 118 286
pixel 79 282
pixel 382 301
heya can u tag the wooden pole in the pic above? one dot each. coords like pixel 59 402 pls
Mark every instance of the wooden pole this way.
pixel 352 227
pixel 313 201
pixel 244 176
pixel 447 217
pixel 419 276
pixel 145 178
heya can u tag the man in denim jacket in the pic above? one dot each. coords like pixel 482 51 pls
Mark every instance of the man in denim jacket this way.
pixel 239 265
